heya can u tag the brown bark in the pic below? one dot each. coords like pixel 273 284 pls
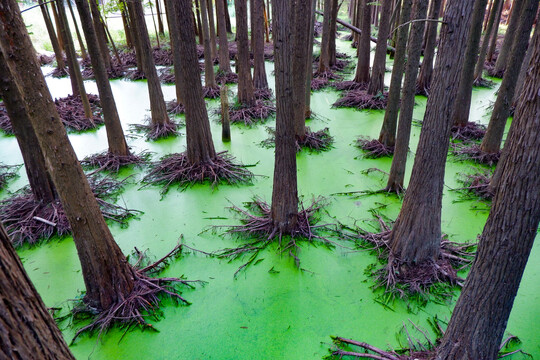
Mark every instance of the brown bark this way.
pixel 209 78
pixel 482 310
pixel 333 29
pixel 227 16
pixel 69 58
pixel 225 120
pixel 376 84
pixel 362 69
pixel 27 330
pixel 416 235
pixel 125 22
pixel 84 54
pixel 487 15
pixel 257 33
pixel 284 210
pixel 107 275
pixel 501 110
pixel 414 49
pixel 100 33
pixel 160 20
pixel 494 35
pixel 213 42
pixel 525 66
pixel 174 34
pixel 309 71
pixel 157 104
pixel 52 36
pixel 246 95
pixel 224 61
pixel 387 136
pixel 200 147
pixel 199 24
pixel 462 106
pixel 58 25
pixel 324 57
pixel 426 69
pixel 485 42
pixel 115 134
pixel 299 65
pixel 509 37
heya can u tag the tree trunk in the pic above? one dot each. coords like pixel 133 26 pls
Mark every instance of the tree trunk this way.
pixel 157 104
pixel 200 147
pixel 84 54
pixel 259 72
pixel 333 29
pixel 494 35
pixel 426 69
pixel 107 275
pixel 213 42
pixel 174 34
pixel 387 136
pixel 324 57
pixel 362 69
pixel 28 330
pixel 100 33
pixel 161 29
pixel 376 84
pixel 299 65
pixel 416 235
pixel 485 42
pixel 284 211
pixel 135 37
pixel 487 15
pixel 115 134
pixel 399 161
pixel 227 17
pixel 501 110
pixel 209 78
pixel 509 37
pixel 246 96
pixel 69 58
pixel 199 25
pixel 479 319
pixel 524 67
pixel 52 35
pixel 224 61
pixel 58 25
pixel 126 22
pixel 462 106
pixel 309 68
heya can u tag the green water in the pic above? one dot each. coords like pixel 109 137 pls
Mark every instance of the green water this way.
pixel 288 314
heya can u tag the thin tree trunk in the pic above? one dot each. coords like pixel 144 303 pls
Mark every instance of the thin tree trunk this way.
pixel 246 96
pixel 227 16
pixel 309 68
pixel 52 36
pixel 174 34
pixel 100 33
pixel 416 235
pixel 487 15
pixel 161 29
pixel 257 33
pixel 84 54
pixel 362 69
pixel 489 29
pixel 509 37
pixel 324 57
pixel 482 310
pixel 376 84
pixel 333 30
pixel 199 26
pixel 224 61
pixel 213 41
pixel 524 67
pixel 494 35
pixel 135 37
pixel 387 136
pixel 426 69
pixel 154 22
pixel 209 78
pixel 300 30
pixel 58 25
pixel 125 22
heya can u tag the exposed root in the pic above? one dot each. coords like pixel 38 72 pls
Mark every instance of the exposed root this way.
pixel 251 115
pixel 211 92
pixel 156 131
pixel 474 153
pixel 29 221
pixel 483 83
pixel 226 77
pixel 322 79
pixel 135 74
pixel 167 76
pixel 471 131
pixel 257 226
pixel 162 56
pixel 59 72
pixel 174 108
pixel 318 83
pixel 477 184
pixel 374 148
pixel 349 85
pixel 317 141
pixel 264 94
pixel 8 172
pixel 422 90
pixel 340 65
pixel 176 169
pixel 45 59
pixel 5 123
pixel 116 71
pixel 72 114
pixel 496 74
pixel 107 161
pixel 360 99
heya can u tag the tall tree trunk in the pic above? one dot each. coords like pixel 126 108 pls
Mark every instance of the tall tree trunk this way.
pixel 300 30
pixel 309 67
pixel 387 136
pixel 58 25
pixel 84 54
pixel 462 106
pixel 284 210
pixel 509 37
pixel 157 104
pixel 174 34
pixel 52 36
pixel 333 30
pixel 485 42
pixel 28 330
pixel 494 35
pixel 209 78
pixel 126 22
pixel 213 42
pixel 224 61
pixel 482 310
pixel 426 69
pixel 100 33
pixel 525 66
pixel 257 33
pixel 416 235
pixel 69 58
pixel 414 50
pixel 107 275
pixel 376 84
pixel 501 110
pixel 246 96
pixel 200 147
pixel 364 49
pixel 324 57
pixel 160 20
pixel 199 25
pixel 227 16
pixel 115 134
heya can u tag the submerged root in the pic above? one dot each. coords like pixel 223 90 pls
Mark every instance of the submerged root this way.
pixel 156 131
pixel 475 153
pixel 374 148
pixel 251 115
pixel 360 99
pixel 29 221
pixel 471 131
pixel 5 123
pixel 177 169
pixel 349 85
pixel 477 184
pixel 211 92
pixel 226 77
pixel 107 161
pixel 45 59
pixel 7 172
pixel 162 56
pixel 72 114
pixel 174 108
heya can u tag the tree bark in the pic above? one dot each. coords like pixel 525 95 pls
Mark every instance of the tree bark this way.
pixel 209 78
pixel 387 136
pixel 416 235
pixel 125 22
pixel 58 25
pixel 509 37
pixel 27 330
pixel 161 29
pixel 324 57
pixel 399 161
pixel 174 34
pixel 494 35
pixel 107 275
pixel 426 69
pixel 227 16
pixel 462 106
pixel 84 54
pixel 52 36
pixel 200 147
pixel 501 110
pixel 257 33
pixel 224 61
pixel 333 28
pixel 485 42
pixel 482 310
pixel 199 25
pixel 115 134
pixel 362 69
pixel 246 95
pixel 309 68
pixel 213 42
pixel 284 210
pixel 524 67
pixel 100 33
pixel 300 65
pixel 376 84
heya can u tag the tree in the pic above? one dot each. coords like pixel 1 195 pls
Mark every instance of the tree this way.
pixel 213 43
pixel 28 331
pixel 100 33
pixel 376 84
pixel 210 87
pixel 224 60
pixel 485 42
pixel 175 106
pixel 479 319
pixel 362 69
pixel 324 57
pixel 52 36
pixel 333 31
pixel 426 69
pixel 246 95
pixel 257 33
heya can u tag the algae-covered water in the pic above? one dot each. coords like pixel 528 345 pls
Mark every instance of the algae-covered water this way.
pixel 273 310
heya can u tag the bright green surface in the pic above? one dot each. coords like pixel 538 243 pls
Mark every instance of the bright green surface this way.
pixel 260 315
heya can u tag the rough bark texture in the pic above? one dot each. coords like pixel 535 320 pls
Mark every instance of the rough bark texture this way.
pixel 209 78
pixel 224 61
pixel 309 71
pixel 416 235
pixel 246 96
pixel 115 134
pixel 107 275
pixel 52 35
pixel 376 84
pixel 460 115
pixel 509 38
pixel 333 29
pixel 300 65
pixel 199 25
pixel 426 69
pixel 525 66
pixel 284 209
pixel 227 17
pixel 324 57
pixel 100 33
pixel 27 330
pixel 257 33
pixel 399 161
pixel 84 54
pixel 174 35
pixel 481 313
pixel 485 42
pixel 211 21
pixel 362 69
pixel 160 20
pixel 200 147
pixel 495 131
pixel 387 136
pixel 494 35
